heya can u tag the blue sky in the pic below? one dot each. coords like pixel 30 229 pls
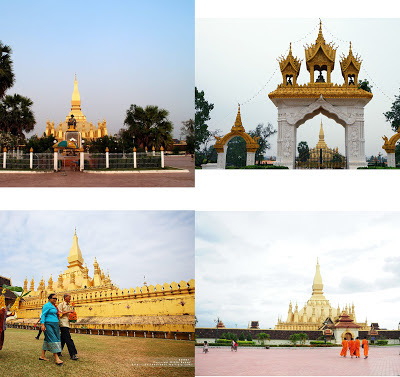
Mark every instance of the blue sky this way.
pixel 250 265
pixel 128 244
pixel 123 52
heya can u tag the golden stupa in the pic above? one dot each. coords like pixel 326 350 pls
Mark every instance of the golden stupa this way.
pixel 87 130
pixel 317 311
pixel 327 153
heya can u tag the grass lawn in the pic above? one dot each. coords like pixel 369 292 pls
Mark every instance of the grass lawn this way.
pixel 98 356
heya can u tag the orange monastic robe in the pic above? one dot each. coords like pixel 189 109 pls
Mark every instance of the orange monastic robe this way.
pixel 352 347
pixel 358 347
pixel 365 343
pixel 345 347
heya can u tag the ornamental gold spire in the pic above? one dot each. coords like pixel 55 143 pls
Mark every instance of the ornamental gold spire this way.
pixel 350 67
pixel 238 126
pixel 290 68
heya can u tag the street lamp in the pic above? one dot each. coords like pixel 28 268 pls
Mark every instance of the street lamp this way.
pixel 216 333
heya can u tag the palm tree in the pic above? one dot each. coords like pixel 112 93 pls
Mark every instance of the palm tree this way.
pixel 16 115
pixel 150 126
pixel 6 69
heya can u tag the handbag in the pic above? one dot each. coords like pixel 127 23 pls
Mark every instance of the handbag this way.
pixel 362 345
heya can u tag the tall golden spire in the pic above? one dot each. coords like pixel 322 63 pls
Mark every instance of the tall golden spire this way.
pixel 321 142
pixel 317 286
pixel 321 133
pixel 76 104
pixel 75 258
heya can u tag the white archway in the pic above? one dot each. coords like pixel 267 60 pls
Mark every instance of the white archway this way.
pixel 348 112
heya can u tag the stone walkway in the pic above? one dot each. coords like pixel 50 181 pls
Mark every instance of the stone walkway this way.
pixel 78 179
pixel 382 361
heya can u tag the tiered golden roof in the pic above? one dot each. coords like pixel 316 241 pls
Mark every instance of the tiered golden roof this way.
pixel 320 56
pixel 290 67
pixel 350 67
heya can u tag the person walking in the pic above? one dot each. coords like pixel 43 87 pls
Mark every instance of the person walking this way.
pixel 352 347
pixel 49 320
pixel 358 347
pixel 65 310
pixel 345 345
pixel 365 346
pixel 40 329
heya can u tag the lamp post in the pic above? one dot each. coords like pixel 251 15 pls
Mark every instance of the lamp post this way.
pixel 216 333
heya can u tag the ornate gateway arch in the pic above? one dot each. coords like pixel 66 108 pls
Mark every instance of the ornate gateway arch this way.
pixel 298 103
pixel 390 148
pixel 221 145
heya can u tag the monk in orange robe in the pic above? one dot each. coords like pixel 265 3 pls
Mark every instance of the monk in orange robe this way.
pixel 352 347
pixel 365 346
pixel 358 343
pixel 345 345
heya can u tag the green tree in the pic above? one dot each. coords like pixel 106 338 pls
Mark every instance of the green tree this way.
pixel 114 145
pixel 294 338
pixel 10 141
pixel 304 151
pixel 365 85
pixel 262 337
pixel 208 153
pixel 242 337
pixel 40 145
pixel 6 69
pixel 149 125
pixel 188 130
pixel 202 115
pixel 303 337
pixel 263 132
pixel 249 337
pixel 16 115
pixel 393 115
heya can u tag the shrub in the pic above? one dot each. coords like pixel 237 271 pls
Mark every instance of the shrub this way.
pixel 242 337
pixel 258 167
pixel 382 342
pixel 249 337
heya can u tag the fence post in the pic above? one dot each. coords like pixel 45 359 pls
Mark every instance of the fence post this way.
pixel 134 158
pixel 18 152
pixel 162 157
pixel 31 158
pixel 55 159
pixel 145 149
pixel 4 157
pixel 13 152
pixel 107 158
pixel 82 159
pixel 154 151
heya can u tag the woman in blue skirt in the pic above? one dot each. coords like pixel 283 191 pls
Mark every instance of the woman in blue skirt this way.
pixel 50 326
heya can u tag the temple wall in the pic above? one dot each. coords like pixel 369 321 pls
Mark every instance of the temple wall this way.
pixel 164 309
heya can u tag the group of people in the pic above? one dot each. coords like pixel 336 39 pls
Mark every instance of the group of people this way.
pixel 354 347
pixel 55 326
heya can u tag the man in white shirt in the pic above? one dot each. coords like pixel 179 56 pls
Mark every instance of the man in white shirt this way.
pixel 65 310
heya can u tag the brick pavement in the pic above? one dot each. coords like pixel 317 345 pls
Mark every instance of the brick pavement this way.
pixel 78 179
pixel 382 361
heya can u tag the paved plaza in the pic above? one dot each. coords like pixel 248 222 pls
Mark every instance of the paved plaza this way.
pixel 77 179
pixel 382 361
